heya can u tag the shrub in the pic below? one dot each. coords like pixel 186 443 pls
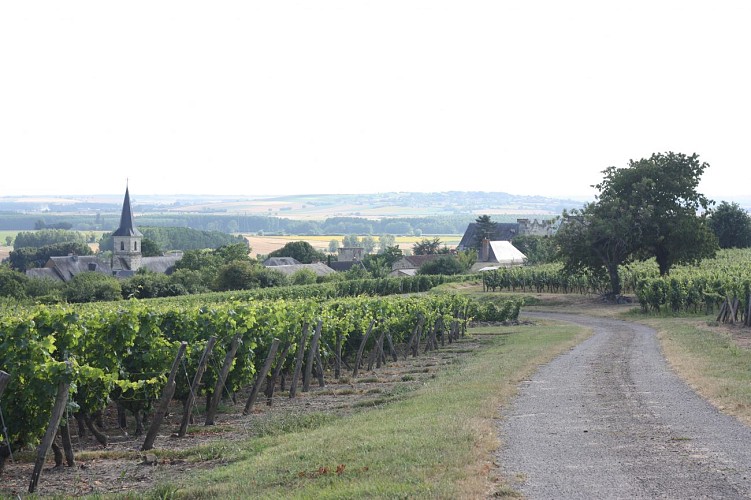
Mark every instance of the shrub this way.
pixel 92 287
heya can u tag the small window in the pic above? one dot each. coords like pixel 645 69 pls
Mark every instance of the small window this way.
pixel 135 246
pixel 122 245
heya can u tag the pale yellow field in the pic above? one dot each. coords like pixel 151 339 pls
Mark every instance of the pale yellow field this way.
pixel 266 244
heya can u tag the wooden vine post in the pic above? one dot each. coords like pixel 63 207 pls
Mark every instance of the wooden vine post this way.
pixel 392 349
pixel 57 415
pixel 377 352
pixel 298 361
pixel 381 354
pixel 217 394
pixel 4 381
pixel 260 376
pixel 414 341
pixel 360 350
pixel 319 370
pixel 164 400
pixel 188 411
pixel 338 361
pixel 338 352
pixel 275 375
pixel 5 449
pixel 311 357
pixel 70 458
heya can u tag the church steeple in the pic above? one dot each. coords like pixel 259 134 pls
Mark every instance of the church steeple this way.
pixel 127 226
pixel 126 240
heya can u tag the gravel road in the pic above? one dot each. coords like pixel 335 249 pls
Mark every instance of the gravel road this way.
pixel 609 419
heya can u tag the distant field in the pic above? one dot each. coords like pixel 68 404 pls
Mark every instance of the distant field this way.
pixel 266 244
pixel 5 250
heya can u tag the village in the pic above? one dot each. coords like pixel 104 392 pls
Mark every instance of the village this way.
pixel 484 246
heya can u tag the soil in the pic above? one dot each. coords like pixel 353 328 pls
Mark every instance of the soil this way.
pixel 609 419
pixel 121 467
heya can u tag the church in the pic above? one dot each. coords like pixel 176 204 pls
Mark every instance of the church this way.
pixel 126 256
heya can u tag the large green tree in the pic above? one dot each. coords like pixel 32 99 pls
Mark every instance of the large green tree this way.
pixel 732 225
pixel 659 196
pixel 302 251
pixel 648 209
pixel 598 238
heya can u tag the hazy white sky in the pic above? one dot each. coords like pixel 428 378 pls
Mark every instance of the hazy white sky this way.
pixel 284 97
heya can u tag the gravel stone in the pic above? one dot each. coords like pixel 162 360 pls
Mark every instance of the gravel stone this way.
pixel 610 419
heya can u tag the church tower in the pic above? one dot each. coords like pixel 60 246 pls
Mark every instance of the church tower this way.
pixel 127 241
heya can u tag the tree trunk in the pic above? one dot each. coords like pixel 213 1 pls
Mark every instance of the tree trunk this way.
pixel 615 280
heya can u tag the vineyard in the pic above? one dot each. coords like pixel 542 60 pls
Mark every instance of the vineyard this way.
pixel 63 367
pixel 722 284
pixel 66 365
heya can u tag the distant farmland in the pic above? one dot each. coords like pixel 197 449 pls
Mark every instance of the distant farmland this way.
pixel 266 244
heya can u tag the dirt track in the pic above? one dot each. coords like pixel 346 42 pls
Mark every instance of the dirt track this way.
pixel 609 419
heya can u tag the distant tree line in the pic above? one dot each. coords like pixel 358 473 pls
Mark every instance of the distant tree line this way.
pixel 234 223
pixel 179 238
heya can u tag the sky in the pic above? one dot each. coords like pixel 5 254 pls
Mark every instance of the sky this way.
pixel 302 97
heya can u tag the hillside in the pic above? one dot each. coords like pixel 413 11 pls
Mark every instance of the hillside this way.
pixel 310 206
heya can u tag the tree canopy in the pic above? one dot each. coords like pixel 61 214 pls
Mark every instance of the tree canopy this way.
pixel 427 246
pixel 732 225
pixel 648 209
pixel 484 230
pixel 660 195
pixel 302 251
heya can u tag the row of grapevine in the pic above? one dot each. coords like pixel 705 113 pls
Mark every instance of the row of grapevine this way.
pixel 688 288
pixel 701 288
pixel 337 289
pixel 122 351
pixel 546 278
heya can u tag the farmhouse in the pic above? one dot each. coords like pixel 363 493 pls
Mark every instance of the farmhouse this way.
pixel 494 254
pixel 126 257
pixel 507 231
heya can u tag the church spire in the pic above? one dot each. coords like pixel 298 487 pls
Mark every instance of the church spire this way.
pixel 127 226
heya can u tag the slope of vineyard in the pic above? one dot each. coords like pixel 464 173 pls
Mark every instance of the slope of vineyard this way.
pixel 121 352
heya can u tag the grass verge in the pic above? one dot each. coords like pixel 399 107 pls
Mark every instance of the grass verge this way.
pixel 709 359
pixel 436 442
